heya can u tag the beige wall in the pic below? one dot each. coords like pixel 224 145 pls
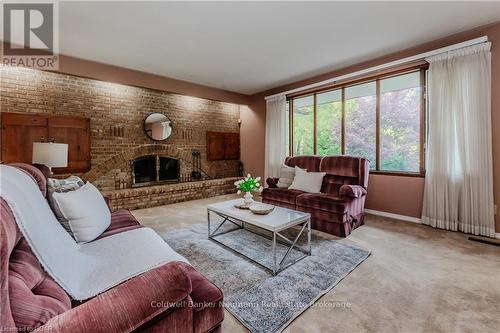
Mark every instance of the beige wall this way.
pixel 394 194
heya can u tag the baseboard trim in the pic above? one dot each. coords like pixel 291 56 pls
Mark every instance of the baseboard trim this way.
pixel 395 216
pixel 403 217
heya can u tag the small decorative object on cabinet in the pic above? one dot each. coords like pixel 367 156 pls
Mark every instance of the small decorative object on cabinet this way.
pixel 248 185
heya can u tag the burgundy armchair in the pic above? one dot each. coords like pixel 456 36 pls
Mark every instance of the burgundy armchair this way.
pixel 170 298
pixel 339 208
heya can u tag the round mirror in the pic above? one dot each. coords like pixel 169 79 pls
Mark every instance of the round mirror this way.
pixel 157 126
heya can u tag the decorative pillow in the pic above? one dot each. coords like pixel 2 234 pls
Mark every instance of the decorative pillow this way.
pixel 307 181
pixel 54 185
pixel 286 176
pixel 85 211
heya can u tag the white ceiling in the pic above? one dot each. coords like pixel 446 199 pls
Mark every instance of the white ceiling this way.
pixel 250 47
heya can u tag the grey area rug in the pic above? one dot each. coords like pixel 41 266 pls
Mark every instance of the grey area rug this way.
pixel 260 301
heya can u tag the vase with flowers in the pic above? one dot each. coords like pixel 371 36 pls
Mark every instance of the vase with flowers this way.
pixel 247 186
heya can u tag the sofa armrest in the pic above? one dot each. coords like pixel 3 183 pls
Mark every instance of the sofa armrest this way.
pixel 272 182
pixel 352 191
pixel 129 305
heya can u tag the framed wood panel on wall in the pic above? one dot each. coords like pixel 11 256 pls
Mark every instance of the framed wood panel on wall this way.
pixel 223 146
pixel 20 130
pixel 75 132
pixel 231 146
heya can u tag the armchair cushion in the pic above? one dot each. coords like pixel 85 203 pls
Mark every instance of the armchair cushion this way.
pixel 129 305
pixel 281 195
pixel 353 191
pixel 323 201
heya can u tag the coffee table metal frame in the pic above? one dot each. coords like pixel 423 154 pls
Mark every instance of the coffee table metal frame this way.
pixel 304 223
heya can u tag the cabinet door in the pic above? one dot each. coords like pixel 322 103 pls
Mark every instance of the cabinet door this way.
pixel 215 146
pixel 231 146
pixel 19 131
pixel 74 131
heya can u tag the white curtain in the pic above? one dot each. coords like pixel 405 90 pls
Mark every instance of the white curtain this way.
pixel 275 135
pixel 459 181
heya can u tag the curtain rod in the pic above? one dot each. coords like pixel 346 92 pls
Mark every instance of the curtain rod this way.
pixel 420 56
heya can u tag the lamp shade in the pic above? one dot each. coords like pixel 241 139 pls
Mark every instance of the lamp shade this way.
pixel 50 154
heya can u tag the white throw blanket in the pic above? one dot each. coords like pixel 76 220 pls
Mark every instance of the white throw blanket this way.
pixel 83 270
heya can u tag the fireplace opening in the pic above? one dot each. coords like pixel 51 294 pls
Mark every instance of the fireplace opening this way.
pixel 169 169
pixel 148 170
pixel 145 169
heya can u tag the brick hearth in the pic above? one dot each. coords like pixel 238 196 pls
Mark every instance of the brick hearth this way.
pixel 150 196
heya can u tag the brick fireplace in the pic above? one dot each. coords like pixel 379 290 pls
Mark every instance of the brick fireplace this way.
pixel 117 113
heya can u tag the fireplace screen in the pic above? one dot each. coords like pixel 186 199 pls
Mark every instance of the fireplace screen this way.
pixel 152 169
pixel 169 169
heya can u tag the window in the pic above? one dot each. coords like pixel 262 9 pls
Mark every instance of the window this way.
pixel 303 126
pixel 400 123
pixel 380 119
pixel 329 123
pixel 361 121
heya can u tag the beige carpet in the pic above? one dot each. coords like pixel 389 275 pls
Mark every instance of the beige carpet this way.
pixel 417 279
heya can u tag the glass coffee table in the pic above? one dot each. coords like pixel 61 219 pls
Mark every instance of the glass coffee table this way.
pixel 279 220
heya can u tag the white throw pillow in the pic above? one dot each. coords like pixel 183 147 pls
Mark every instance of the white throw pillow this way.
pixel 307 181
pixel 287 174
pixel 86 212
pixel 71 183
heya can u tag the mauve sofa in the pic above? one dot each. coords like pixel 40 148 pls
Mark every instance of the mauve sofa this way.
pixel 338 209
pixel 171 298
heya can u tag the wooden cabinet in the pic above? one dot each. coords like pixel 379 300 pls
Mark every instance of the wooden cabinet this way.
pixel 231 146
pixel 75 132
pixel 20 130
pixel 215 146
pixel 223 146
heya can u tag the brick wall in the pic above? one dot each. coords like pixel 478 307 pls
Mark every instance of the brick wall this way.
pixel 111 106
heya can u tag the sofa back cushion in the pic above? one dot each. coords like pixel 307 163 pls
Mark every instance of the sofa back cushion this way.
pixel 309 163
pixel 342 170
pixel 35 173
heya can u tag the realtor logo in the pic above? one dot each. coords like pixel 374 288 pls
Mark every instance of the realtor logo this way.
pixel 30 36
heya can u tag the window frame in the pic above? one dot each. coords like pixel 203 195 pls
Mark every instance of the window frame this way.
pixel 421 68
